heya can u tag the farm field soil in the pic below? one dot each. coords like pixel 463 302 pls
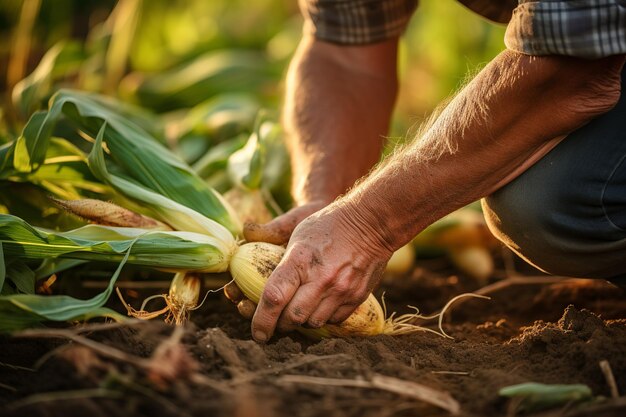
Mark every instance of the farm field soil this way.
pixel 553 333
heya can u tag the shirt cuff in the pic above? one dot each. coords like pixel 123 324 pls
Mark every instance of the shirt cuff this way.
pixel 584 28
pixel 356 22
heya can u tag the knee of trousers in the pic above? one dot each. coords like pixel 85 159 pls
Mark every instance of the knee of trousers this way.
pixel 535 219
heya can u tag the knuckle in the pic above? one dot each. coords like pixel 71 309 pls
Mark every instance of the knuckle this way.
pixel 285 277
pixel 340 288
pixel 339 317
pixel 274 296
pixel 299 253
pixel 296 316
pixel 359 294
pixel 357 298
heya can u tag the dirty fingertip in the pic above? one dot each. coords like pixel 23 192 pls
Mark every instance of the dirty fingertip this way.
pixel 253 232
pixel 260 336
pixel 233 293
pixel 246 308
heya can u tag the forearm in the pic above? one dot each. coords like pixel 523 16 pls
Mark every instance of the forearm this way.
pixel 495 125
pixel 337 110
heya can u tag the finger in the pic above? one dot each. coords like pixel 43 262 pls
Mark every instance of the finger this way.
pixel 342 313
pixel 306 300
pixel 274 233
pixel 232 292
pixel 279 230
pixel 324 312
pixel 246 308
pixel 280 288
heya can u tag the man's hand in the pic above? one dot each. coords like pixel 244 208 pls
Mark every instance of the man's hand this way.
pixel 344 263
pixel 333 261
pixel 279 230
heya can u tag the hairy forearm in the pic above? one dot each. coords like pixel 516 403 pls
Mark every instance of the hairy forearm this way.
pixel 337 110
pixel 505 117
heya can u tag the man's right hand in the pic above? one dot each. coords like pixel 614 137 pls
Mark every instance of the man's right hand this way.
pixel 278 232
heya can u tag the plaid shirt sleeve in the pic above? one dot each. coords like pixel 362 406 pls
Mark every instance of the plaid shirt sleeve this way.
pixel 356 22
pixel 579 28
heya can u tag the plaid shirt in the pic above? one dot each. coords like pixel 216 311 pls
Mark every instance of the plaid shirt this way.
pixel 581 28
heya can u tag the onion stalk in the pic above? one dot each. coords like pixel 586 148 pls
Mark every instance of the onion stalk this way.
pixel 181 300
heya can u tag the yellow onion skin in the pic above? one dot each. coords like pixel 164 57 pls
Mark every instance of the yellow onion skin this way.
pixel 185 290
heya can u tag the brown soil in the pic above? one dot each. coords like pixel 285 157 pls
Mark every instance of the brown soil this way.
pixel 552 333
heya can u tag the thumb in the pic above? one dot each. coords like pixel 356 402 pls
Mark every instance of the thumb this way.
pixel 279 230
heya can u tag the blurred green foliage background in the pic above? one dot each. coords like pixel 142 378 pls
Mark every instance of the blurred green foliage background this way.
pixel 172 81
pixel 154 52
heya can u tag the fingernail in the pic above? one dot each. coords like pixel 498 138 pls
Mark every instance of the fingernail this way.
pixel 259 336
pixel 314 324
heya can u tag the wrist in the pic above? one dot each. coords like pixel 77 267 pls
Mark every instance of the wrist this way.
pixel 320 200
pixel 361 218
pixel 309 190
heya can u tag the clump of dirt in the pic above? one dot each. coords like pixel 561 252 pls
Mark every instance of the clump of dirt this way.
pixel 555 334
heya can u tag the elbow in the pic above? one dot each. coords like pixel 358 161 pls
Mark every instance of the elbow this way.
pixel 598 95
pixel 571 92
pixel 586 88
